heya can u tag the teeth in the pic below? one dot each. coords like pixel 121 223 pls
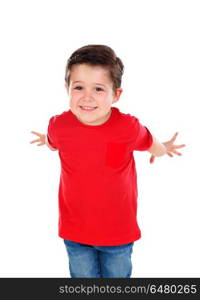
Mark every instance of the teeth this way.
pixel 87 107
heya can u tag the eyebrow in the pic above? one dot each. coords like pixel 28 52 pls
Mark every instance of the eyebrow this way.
pixel 93 83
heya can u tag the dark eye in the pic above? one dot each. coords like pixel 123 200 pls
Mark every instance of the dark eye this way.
pixel 99 89
pixel 78 88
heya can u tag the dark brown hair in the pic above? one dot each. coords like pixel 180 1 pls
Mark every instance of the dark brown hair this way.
pixel 97 55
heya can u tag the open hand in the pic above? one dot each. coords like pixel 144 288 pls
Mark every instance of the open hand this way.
pixel 41 139
pixel 171 148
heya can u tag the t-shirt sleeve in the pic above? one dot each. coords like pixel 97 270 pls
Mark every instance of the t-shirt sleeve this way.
pixel 142 138
pixel 51 137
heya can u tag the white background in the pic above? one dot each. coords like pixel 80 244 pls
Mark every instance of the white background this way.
pixel 158 42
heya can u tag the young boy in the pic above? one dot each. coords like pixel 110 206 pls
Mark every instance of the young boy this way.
pixel 98 182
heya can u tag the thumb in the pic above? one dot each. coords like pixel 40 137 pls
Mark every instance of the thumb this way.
pixel 152 158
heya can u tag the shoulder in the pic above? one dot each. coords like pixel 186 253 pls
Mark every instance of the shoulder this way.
pixel 126 118
pixel 58 119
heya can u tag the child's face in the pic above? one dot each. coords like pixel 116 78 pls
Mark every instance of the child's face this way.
pixel 91 86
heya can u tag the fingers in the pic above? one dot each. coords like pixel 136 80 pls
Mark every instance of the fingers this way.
pixel 180 146
pixel 34 141
pixel 152 158
pixel 169 154
pixel 174 137
pixel 38 140
pixel 177 153
pixel 37 133
pixel 41 143
pixel 177 147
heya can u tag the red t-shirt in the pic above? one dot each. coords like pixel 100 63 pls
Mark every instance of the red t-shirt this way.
pixel 98 181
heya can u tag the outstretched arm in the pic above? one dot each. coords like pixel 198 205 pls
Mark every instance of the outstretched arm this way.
pixel 159 149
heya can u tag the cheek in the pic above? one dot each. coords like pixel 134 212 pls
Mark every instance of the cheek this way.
pixel 103 96
pixel 73 94
pixel 73 97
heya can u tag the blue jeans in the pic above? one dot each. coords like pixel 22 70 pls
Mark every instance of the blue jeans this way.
pixel 99 261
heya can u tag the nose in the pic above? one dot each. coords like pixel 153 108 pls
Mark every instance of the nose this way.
pixel 87 93
pixel 87 96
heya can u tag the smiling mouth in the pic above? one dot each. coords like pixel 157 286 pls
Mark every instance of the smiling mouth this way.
pixel 88 108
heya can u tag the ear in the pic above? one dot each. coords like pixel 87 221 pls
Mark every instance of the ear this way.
pixel 117 95
pixel 67 88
